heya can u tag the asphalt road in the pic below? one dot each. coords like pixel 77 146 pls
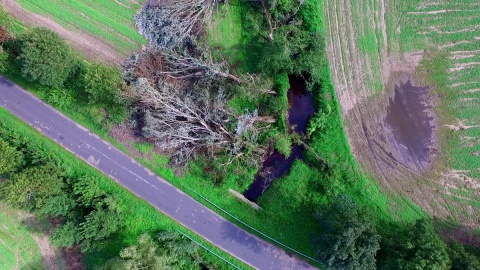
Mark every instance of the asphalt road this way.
pixel 159 193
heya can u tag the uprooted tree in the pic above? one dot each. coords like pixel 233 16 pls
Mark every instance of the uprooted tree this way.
pixel 168 23
pixel 182 90
pixel 156 64
pixel 190 121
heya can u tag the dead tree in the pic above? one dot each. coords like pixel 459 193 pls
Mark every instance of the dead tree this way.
pixel 157 64
pixel 189 122
pixel 167 23
pixel 183 66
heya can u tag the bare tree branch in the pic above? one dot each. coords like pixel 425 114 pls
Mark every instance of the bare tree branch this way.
pixel 194 121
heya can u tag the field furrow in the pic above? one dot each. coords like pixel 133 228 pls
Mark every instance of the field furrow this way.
pixel 381 41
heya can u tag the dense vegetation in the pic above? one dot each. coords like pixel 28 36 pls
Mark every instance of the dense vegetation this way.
pixel 218 118
pixel 38 176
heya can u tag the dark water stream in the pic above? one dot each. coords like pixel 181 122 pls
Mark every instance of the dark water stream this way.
pixel 276 165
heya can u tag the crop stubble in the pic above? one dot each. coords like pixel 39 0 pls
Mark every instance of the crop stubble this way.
pixel 401 34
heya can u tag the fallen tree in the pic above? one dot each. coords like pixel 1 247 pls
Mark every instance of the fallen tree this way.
pixel 197 120
pixel 170 23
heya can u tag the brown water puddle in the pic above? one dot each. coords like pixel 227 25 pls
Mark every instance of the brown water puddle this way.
pixel 276 165
pixel 411 124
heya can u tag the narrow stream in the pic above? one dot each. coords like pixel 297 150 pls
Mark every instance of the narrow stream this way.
pixel 276 165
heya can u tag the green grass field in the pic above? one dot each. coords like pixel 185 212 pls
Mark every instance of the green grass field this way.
pixel 18 249
pixel 112 21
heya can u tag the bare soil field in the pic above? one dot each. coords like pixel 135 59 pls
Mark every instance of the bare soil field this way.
pixel 404 133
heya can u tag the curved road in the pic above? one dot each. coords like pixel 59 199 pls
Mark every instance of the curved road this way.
pixel 159 193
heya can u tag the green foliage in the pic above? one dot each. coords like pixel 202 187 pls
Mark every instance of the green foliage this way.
pixel 88 191
pixel 60 97
pixel 294 51
pixel 312 16
pixel 10 158
pixel 32 187
pixel 44 57
pixel 283 144
pixel 58 205
pixel 348 240
pixel 318 122
pixel 66 235
pixel 168 252
pixel 98 226
pixel 461 259
pixel 4 63
pixel 103 84
pixel 417 247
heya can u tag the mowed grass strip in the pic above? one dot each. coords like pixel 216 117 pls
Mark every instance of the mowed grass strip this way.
pixel 112 21
pixel 18 249
pixel 141 217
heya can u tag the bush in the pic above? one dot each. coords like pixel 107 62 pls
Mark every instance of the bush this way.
pixel 349 240
pixel 60 97
pixel 103 84
pixel 283 144
pixel 462 259
pixel 416 247
pixel 10 158
pixel 44 57
pixel 294 51
pixel 4 63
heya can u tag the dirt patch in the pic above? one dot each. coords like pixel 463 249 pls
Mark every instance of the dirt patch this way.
pixel 73 258
pixel 411 123
pixel 91 47
pixel 40 234
pixel 398 130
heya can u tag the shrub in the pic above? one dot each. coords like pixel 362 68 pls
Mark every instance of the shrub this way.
pixel 103 84
pixel 283 144
pixel 44 57
pixel 416 247
pixel 349 240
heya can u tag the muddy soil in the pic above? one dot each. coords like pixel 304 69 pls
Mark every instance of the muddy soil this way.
pixel 411 124
pixel 400 133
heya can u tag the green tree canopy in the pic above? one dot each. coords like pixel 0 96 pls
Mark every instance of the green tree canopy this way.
pixel 10 158
pixel 294 51
pixel 33 186
pixel 44 57
pixel 103 84
pixel 462 259
pixel 417 247
pixel 168 251
pixel 348 240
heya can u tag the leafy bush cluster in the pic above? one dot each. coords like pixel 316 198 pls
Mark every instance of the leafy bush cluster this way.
pixel 42 57
pixel 167 250
pixel 36 181
pixel 350 241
